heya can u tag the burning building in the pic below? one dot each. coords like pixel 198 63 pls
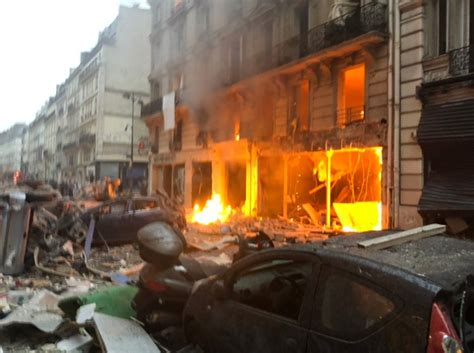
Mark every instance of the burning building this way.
pixel 273 108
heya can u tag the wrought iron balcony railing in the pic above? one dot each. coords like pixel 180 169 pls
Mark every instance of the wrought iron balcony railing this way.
pixel 350 115
pixel 153 107
pixel 70 146
pixel 364 19
pixel 156 106
pixel 461 61
pixel 87 139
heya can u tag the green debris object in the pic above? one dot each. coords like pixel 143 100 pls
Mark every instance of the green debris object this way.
pixel 114 300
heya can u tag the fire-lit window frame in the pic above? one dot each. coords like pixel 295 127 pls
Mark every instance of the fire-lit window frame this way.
pixel 178 134
pixel 293 108
pixel 203 19
pixel 232 54
pixel 157 132
pixel 342 116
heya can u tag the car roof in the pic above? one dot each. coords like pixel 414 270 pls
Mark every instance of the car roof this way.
pixel 443 260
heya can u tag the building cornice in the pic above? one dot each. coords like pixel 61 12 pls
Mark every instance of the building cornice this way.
pixel 407 5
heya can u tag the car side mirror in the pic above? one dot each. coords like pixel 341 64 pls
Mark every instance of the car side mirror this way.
pixel 219 290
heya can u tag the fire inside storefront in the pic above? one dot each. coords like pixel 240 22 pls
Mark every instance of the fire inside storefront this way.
pixel 284 125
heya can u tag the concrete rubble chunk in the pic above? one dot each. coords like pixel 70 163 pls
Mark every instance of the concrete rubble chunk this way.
pixel 85 313
pixel 122 336
pixel 76 343
pixel 41 311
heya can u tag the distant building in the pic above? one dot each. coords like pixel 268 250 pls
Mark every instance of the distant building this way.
pixel 35 152
pixel 11 142
pixel 98 130
pixel 83 132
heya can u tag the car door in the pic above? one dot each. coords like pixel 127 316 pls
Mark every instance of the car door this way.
pixel 353 314
pixel 267 305
pixel 114 223
pixel 145 211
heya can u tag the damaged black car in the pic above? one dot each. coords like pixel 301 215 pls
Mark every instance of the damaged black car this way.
pixel 411 298
pixel 118 221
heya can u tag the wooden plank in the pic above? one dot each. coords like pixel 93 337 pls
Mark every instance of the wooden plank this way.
pixel 402 237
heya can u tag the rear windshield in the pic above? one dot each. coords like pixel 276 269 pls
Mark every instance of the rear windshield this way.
pixel 145 204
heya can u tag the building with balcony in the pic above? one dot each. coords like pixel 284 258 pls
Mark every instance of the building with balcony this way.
pixel 36 146
pixel 83 132
pixel 97 135
pixel 436 104
pixel 280 107
pixel 50 138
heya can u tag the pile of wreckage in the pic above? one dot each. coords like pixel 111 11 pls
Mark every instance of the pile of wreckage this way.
pixel 70 269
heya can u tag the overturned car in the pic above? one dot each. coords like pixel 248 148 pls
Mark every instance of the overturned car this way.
pixel 118 221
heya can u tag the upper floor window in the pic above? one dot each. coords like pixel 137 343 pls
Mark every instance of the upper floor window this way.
pixel 156 15
pixel 299 107
pixel 233 58
pixel 452 24
pixel 179 41
pixel 203 19
pixel 155 90
pixel 351 100
pixel 157 139
pixel 177 81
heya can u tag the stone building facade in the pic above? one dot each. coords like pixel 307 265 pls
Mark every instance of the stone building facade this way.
pixel 278 104
pixel 35 166
pixel 436 104
pixel 97 135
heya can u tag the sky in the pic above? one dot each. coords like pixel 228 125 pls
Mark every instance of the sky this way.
pixel 40 41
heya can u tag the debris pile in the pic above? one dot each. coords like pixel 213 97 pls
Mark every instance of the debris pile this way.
pixel 99 321
pixel 74 289
pixel 281 231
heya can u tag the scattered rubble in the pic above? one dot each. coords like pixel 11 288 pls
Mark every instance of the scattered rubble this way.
pixel 75 294
pixel 122 335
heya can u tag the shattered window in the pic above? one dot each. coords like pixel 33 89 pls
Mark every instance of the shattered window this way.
pixel 277 287
pixel 144 204
pixel 348 308
pixel 118 208
pixel 351 104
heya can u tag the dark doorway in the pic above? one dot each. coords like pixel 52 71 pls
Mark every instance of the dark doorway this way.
pixel 167 178
pixel 471 36
pixel 178 183
pixel 236 183
pixel 201 183
pixel 442 26
pixel 271 179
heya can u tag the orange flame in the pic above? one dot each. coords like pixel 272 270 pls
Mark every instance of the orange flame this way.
pixel 359 216
pixel 214 211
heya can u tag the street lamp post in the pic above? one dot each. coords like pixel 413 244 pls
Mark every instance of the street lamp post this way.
pixel 134 99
